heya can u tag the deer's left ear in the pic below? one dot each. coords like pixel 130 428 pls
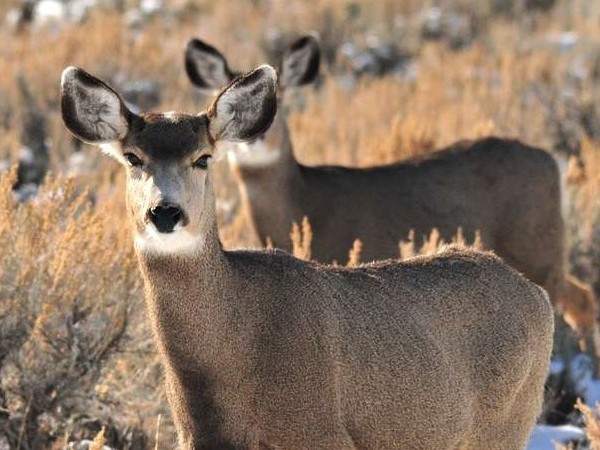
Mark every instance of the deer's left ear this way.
pixel 91 110
pixel 246 108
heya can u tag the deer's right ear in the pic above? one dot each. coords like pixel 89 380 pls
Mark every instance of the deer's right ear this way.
pixel 205 66
pixel 245 109
pixel 91 110
pixel 300 62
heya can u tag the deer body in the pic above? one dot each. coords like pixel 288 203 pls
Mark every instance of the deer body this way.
pixel 507 191
pixel 320 362
pixel 265 351
pixel 487 185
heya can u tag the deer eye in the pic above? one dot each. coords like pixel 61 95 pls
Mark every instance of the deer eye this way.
pixel 202 162
pixel 133 160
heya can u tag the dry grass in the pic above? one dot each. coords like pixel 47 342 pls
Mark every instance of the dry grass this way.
pixel 354 253
pixel 433 243
pixel 99 441
pixel 583 210
pixel 74 342
pixel 68 288
pixel 301 238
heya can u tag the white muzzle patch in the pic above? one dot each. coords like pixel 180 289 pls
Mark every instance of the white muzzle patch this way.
pixel 178 242
pixel 257 155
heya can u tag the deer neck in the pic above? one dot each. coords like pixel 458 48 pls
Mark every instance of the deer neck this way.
pixel 197 316
pixel 184 289
pixel 269 191
pixel 272 153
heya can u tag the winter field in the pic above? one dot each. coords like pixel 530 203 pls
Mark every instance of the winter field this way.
pixel 398 78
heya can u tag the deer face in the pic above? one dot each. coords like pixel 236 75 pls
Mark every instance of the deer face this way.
pixel 167 162
pixel 167 157
pixel 208 69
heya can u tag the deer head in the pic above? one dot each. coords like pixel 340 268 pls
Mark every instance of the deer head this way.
pixel 167 156
pixel 209 70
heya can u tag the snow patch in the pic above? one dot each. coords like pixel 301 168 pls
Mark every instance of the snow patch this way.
pixel 581 373
pixel 50 10
pixel 557 366
pixel 544 437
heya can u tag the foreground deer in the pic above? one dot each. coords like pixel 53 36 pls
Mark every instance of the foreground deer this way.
pixel 508 191
pixel 262 350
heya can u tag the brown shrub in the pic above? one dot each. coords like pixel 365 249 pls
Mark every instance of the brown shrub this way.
pixel 67 284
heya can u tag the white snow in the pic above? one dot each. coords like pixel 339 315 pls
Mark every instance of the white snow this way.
pixel 544 437
pixel 557 365
pixel 567 40
pixel 581 372
pixel 26 156
pixel 50 10
pixel 151 6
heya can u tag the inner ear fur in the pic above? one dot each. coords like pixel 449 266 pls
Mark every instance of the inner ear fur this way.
pixel 245 109
pixel 206 66
pixel 91 109
pixel 300 63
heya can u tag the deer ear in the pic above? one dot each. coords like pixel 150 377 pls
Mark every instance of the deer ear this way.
pixel 91 110
pixel 300 62
pixel 245 108
pixel 205 66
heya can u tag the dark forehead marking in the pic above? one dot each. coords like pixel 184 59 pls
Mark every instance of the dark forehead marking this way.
pixel 168 136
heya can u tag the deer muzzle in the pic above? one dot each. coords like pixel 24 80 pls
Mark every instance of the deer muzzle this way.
pixel 165 216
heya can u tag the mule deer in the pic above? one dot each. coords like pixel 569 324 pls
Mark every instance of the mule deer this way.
pixel 508 191
pixel 263 350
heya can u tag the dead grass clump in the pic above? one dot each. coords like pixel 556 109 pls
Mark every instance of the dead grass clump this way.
pixel 582 208
pixel 67 283
pixel 354 253
pixel 592 424
pixel 456 96
pixel 301 237
pixel 433 243
pixel 98 442
pixel 239 232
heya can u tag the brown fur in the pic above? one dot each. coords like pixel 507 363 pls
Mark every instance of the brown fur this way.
pixel 265 351
pixel 508 191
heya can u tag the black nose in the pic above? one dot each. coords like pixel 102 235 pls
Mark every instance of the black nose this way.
pixel 165 216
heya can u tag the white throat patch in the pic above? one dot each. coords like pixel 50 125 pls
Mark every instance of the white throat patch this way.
pixel 114 150
pixel 256 155
pixel 179 242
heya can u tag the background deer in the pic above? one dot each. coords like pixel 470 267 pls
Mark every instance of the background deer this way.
pixel 262 350
pixel 508 191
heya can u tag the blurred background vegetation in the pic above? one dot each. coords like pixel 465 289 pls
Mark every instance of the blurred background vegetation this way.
pixel 399 78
